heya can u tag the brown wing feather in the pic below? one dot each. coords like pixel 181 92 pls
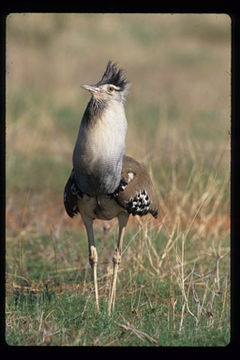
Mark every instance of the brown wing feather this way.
pixel 138 196
pixel 71 196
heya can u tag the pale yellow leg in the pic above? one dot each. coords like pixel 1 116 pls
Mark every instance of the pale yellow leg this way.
pixel 122 220
pixel 93 258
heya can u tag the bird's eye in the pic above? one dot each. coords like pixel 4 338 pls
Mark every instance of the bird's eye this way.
pixel 110 89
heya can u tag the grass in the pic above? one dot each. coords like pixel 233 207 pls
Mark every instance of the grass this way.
pixel 174 280
pixel 162 298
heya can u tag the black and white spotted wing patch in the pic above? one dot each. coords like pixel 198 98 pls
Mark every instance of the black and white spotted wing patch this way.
pixel 71 196
pixel 121 187
pixel 139 204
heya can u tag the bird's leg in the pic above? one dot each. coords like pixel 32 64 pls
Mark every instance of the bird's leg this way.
pixel 93 258
pixel 122 221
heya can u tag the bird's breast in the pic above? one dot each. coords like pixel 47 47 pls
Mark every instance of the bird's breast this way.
pixel 98 153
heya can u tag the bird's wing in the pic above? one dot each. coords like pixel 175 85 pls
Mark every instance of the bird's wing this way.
pixel 135 192
pixel 71 195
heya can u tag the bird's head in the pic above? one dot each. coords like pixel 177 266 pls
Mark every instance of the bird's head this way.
pixel 112 86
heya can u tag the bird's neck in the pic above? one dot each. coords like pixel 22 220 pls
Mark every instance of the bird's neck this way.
pixel 101 145
pixel 94 110
pixel 104 117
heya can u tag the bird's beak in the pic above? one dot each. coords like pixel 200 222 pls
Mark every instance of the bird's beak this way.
pixel 92 88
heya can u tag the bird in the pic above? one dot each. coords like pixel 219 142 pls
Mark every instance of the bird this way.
pixel 105 183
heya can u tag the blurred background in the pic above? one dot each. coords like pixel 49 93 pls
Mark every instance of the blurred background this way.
pixel 178 112
pixel 179 100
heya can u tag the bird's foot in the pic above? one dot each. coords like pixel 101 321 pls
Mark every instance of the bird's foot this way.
pixel 93 259
pixel 116 258
pixel 116 263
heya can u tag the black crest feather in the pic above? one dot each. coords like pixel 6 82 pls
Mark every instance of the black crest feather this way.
pixel 113 75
